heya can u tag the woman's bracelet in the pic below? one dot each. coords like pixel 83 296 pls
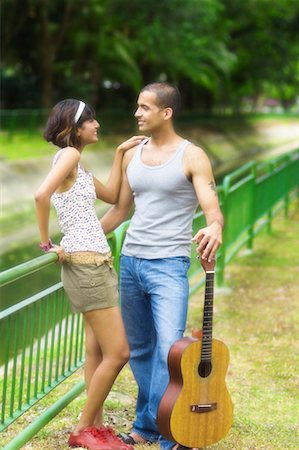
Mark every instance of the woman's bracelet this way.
pixel 46 247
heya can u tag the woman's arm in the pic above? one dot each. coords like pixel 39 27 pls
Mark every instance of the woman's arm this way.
pixel 109 192
pixel 120 211
pixel 66 163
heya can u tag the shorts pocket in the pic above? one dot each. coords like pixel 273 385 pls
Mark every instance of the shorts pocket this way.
pixel 92 282
pixel 94 285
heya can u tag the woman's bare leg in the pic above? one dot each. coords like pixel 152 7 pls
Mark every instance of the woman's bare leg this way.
pixel 93 358
pixel 109 332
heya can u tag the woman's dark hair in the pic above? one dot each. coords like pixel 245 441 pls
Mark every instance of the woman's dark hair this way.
pixel 61 128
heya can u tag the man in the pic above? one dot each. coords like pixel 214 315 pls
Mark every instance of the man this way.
pixel 166 177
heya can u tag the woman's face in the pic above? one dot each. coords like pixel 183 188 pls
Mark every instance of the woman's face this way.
pixel 88 132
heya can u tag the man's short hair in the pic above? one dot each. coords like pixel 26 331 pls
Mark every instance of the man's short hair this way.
pixel 168 95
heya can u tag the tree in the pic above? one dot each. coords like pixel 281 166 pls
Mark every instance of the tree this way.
pixel 217 51
pixel 264 37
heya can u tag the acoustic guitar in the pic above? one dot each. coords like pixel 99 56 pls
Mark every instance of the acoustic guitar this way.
pixel 196 409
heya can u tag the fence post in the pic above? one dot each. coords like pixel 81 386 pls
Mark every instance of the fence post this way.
pixel 287 196
pixel 222 253
pixel 269 214
pixel 252 206
pixel 119 235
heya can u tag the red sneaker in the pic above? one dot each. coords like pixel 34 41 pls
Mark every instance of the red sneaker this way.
pixel 113 440
pixel 89 438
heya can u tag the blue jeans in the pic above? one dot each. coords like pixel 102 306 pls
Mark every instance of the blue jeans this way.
pixel 154 300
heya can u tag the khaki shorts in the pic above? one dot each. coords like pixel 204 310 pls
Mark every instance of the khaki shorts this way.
pixel 90 286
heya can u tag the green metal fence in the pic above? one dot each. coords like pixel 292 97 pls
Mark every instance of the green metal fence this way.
pixel 251 197
pixel 27 120
pixel 43 342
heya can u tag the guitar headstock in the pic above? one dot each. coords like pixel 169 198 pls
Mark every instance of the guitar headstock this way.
pixel 208 266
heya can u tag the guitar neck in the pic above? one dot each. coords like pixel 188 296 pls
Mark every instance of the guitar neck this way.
pixel 207 327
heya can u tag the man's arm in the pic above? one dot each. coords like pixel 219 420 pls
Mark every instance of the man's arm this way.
pixel 120 211
pixel 198 167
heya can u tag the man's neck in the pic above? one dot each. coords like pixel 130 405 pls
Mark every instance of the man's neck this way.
pixel 163 138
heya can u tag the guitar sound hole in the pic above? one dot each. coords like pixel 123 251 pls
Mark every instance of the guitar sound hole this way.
pixel 204 369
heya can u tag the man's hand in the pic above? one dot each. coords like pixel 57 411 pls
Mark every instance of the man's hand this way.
pixel 209 240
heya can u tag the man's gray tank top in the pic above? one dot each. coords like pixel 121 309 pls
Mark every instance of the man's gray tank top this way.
pixel 165 203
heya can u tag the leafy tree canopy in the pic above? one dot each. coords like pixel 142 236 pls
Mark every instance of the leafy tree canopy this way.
pixel 217 51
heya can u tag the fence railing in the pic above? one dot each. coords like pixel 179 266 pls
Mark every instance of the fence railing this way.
pixel 251 197
pixel 43 342
pixel 22 119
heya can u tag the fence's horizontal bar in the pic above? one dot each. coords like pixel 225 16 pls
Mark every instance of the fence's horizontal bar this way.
pixel 27 268
pixel 241 171
pixel 13 309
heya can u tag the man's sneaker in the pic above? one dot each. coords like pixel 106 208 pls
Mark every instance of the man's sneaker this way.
pixel 113 440
pixel 90 438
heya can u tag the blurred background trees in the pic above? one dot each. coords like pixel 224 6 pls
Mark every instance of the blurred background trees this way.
pixel 219 52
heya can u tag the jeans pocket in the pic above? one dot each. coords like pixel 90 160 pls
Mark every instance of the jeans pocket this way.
pixel 184 260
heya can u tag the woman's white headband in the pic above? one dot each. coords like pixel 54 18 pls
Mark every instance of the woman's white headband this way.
pixel 79 111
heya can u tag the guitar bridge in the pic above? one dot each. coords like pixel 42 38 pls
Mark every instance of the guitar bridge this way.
pixel 203 408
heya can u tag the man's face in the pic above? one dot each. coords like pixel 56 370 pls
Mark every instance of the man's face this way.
pixel 148 114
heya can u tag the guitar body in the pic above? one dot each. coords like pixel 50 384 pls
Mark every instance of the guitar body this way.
pixel 196 411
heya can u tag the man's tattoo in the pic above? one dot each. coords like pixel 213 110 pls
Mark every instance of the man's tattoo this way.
pixel 213 187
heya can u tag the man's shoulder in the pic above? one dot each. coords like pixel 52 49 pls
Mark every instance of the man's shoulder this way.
pixel 194 151
pixel 196 160
pixel 128 156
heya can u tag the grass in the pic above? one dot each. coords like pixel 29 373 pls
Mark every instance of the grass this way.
pixel 256 316
pixel 23 145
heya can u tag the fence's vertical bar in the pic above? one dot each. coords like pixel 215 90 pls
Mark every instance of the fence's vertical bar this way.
pixel 45 355
pixel 24 342
pixel 6 364
pixel 82 339
pixel 222 253
pixel 119 235
pixel 15 358
pixel 39 326
pixel 71 342
pixel 53 333
pixel 31 344
pixel 270 212
pixel 252 208
pixel 286 205
pixel 60 315
pixel 66 323
pixel 77 339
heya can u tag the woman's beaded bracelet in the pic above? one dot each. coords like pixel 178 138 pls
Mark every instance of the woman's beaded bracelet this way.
pixel 46 247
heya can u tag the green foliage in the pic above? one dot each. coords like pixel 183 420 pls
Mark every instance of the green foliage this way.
pixel 217 51
pixel 264 38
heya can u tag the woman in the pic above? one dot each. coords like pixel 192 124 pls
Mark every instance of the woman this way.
pixel 88 276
